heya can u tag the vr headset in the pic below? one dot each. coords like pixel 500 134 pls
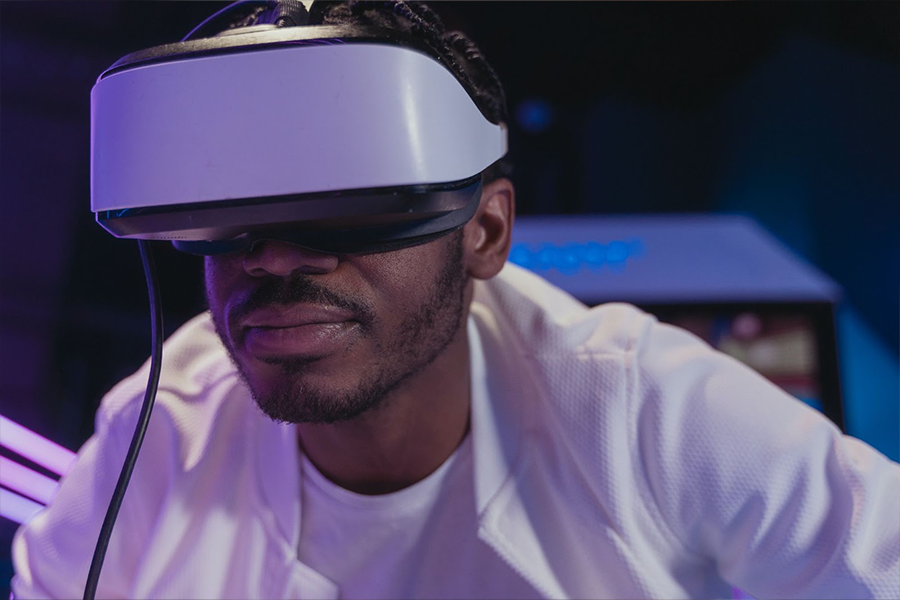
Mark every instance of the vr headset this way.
pixel 341 139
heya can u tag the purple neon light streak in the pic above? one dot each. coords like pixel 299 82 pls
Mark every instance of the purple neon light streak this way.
pixel 25 481
pixel 35 448
pixel 17 508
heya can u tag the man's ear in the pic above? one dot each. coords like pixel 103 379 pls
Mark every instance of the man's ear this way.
pixel 487 235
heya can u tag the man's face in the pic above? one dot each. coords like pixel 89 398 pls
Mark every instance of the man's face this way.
pixel 326 347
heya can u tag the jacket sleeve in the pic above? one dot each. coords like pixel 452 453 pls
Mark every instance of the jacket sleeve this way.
pixel 761 484
pixel 52 553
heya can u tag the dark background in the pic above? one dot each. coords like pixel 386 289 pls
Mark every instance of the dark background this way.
pixel 787 112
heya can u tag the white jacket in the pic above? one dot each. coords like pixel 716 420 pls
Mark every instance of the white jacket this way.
pixel 617 457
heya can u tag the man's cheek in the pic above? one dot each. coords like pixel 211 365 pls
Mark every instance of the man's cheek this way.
pixel 216 285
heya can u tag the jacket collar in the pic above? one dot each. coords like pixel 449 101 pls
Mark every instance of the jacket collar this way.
pixel 506 395
pixel 278 477
pixel 495 422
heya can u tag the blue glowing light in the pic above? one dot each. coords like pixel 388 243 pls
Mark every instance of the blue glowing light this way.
pixel 573 257
pixel 811 401
pixel 534 115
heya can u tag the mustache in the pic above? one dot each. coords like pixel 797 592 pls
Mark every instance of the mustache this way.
pixel 297 289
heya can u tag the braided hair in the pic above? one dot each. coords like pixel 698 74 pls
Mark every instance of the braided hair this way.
pixel 454 49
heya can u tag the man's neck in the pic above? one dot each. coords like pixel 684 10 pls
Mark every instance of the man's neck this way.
pixel 414 430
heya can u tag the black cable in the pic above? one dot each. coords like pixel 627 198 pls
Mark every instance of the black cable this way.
pixel 156 328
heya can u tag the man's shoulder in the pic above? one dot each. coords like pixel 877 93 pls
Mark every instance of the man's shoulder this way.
pixel 196 369
pixel 545 320
pixel 580 354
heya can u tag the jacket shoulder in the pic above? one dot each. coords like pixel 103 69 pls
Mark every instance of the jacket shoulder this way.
pixel 546 320
pixel 193 359
pixel 196 382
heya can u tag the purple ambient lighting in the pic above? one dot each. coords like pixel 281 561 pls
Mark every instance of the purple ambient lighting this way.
pixel 16 508
pixel 25 481
pixel 35 448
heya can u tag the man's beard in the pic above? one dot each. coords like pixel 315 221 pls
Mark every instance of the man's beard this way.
pixel 424 336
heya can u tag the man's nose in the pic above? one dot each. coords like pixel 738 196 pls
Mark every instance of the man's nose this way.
pixel 272 257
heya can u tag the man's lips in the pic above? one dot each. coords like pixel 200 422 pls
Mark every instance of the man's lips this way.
pixel 294 316
pixel 301 330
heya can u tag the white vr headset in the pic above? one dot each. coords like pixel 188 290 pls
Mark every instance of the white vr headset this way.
pixel 338 138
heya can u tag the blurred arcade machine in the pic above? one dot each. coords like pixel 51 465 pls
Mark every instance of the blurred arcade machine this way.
pixel 723 278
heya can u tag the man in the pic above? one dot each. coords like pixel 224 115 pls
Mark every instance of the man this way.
pixel 429 421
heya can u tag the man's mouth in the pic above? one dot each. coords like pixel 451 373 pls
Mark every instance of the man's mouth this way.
pixel 298 331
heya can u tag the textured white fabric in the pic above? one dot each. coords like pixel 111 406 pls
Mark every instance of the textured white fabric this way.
pixel 616 457
pixel 419 542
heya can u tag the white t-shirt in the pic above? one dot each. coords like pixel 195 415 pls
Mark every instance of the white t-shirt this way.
pixel 418 542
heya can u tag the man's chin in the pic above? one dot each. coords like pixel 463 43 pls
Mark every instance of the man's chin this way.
pixel 279 374
pixel 313 406
pixel 297 392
